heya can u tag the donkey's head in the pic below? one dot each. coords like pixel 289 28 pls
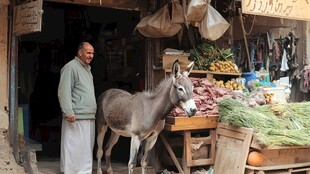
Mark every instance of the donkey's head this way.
pixel 181 93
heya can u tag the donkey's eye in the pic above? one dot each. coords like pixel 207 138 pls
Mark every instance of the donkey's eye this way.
pixel 180 89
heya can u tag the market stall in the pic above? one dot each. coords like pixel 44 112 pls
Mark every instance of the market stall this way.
pixel 278 134
pixel 196 134
pixel 258 118
pixel 251 59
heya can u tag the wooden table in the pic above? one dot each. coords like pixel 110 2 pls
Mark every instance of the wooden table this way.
pixel 186 126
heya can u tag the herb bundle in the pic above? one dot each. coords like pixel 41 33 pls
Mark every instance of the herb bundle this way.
pixel 274 125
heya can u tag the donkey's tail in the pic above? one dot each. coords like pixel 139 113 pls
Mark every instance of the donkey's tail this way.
pixel 99 113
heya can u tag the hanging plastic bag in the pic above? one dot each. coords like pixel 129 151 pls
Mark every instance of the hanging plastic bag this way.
pixel 196 10
pixel 284 65
pixel 213 25
pixel 158 25
pixel 177 12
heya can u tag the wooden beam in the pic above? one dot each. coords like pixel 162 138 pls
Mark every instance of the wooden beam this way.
pixel 124 4
pixel 171 153
pixel 4 2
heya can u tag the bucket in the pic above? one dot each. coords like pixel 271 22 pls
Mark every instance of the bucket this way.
pixel 248 77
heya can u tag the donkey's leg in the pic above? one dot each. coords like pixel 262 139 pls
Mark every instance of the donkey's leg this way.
pixel 100 138
pixel 149 143
pixel 134 148
pixel 112 141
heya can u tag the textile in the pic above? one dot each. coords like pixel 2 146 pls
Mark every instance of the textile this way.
pixel 76 90
pixel 77 142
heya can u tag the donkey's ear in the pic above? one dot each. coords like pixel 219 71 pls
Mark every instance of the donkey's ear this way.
pixel 176 69
pixel 188 69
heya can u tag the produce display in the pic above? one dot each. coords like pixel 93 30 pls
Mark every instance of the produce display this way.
pixel 206 95
pixel 206 54
pixel 230 84
pixel 255 158
pixel 274 124
pixel 268 97
pixel 224 66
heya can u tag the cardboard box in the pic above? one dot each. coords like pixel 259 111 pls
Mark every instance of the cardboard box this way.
pixel 279 94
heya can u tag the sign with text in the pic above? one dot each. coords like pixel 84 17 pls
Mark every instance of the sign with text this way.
pixel 290 9
pixel 28 18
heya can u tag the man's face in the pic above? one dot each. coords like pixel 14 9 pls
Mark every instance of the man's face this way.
pixel 86 54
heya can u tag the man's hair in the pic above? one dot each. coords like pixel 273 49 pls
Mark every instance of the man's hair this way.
pixel 81 45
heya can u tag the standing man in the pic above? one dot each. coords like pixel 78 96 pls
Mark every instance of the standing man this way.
pixel 76 96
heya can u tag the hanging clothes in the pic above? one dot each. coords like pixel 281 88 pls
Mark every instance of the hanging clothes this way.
pixel 305 80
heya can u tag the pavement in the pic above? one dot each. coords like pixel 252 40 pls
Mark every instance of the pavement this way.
pixel 51 166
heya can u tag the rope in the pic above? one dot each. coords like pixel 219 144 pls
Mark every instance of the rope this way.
pixel 248 33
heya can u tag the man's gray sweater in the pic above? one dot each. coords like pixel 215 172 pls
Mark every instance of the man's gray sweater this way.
pixel 76 92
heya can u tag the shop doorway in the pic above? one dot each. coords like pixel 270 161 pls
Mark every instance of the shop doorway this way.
pixel 119 62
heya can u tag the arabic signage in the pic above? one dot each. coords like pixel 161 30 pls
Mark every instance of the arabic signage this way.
pixel 290 9
pixel 28 18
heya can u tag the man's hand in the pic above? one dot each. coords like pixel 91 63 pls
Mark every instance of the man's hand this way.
pixel 70 118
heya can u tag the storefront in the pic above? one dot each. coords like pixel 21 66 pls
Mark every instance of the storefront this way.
pixel 124 58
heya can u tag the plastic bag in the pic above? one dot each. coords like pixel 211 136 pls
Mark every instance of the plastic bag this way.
pixel 196 10
pixel 158 25
pixel 177 12
pixel 213 26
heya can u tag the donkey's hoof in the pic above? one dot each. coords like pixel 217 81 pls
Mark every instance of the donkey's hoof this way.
pixel 109 171
pixel 99 171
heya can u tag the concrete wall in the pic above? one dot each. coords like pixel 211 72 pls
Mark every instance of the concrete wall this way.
pixel 4 66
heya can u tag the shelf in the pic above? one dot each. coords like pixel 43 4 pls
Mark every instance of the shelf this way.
pixel 209 74
pixel 191 123
pixel 222 73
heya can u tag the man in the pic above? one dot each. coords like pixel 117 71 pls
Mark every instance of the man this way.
pixel 77 100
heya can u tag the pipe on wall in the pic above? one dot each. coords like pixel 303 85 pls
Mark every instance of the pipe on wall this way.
pixel 13 83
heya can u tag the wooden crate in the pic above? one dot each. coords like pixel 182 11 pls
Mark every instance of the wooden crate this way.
pixel 280 155
pixel 234 143
pixel 232 148
pixel 168 61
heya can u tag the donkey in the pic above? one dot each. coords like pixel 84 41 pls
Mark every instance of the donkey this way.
pixel 141 116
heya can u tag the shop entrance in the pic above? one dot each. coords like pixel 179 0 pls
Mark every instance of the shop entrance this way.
pixel 118 62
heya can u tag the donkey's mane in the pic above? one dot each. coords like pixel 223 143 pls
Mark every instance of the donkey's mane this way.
pixel 158 87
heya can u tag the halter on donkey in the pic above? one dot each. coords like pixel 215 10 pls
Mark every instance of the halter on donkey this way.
pixel 141 116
